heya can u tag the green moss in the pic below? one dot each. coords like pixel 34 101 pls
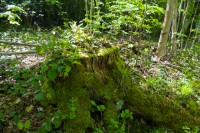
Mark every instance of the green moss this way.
pixel 105 76
pixel 161 110
pixel 98 77
pixel 111 112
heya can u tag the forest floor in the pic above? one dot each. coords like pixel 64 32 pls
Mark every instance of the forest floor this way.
pixel 176 78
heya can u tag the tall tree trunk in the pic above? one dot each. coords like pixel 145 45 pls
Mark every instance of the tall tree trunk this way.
pixel 166 28
pixel 86 8
pixel 179 14
pixel 91 9
pixel 183 24
pixel 196 36
pixel 192 22
pixel 174 29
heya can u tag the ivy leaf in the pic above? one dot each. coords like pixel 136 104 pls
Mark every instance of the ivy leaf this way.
pixel 44 69
pixel 57 123
pixel 1 116
pixel 39 96
pixel 52 74
pixel 29 108
pixel 35 84
pixel 16 119
pixel 53 66
pixel 27 124
pixel 38 77
pixel 20 125
pixel 22 90
pixel 60 68
pixel 48 127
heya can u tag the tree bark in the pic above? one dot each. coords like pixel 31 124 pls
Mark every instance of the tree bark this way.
pixel 183 24
pixel 192 22
pixel 174 28
pixel 166 28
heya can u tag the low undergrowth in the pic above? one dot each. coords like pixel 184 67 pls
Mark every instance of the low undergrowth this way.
pixel 28 93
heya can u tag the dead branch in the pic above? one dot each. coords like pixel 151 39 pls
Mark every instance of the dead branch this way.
pixel 136 46
pixel 17 43
pixel 14 53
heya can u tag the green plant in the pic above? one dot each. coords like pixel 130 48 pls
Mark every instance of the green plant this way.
pixel 100 108
pixel 73 105
pixel 121 126
pixel 126 17
pixel 24 126
pixel 126 114
pixel 55 119
pixel 10 14
pixel 186 129
pixel 116 127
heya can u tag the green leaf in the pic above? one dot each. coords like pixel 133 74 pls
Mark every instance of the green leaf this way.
pixel 27 124
pixel 29 108
pixel 41 130
pixel 38 77
pixel 72 116
pixel 130 45
pixel 76 62
pixel 39 50
pixel 16 119
pixel 186 90
pixel 53 66
pixel 60 68
pixel 57 123
pixel 52 74
pixel 15 8
pixel 61 60
pixel 22 90
pixel 39 96
pixel 20 125
pixel 67 70
pixel 44 69
pixel 48 127
pixel 2 116
pixel 72 108
pixel 35 84
pixel 102 107
pixel 93 103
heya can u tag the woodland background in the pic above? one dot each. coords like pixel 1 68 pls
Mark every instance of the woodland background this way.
pixel 101 66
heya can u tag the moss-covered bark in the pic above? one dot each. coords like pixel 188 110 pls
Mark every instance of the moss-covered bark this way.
pixel 105 79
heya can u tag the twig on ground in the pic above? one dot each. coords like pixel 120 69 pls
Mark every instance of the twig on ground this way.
pixel 17 43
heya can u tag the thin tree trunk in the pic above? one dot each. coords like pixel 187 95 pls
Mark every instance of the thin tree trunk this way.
pixel 140 29
pixel 179 14
pixel 196 9
pixel 165 31
pixel 91 9
pixel 183 24
pixel 86 8
pixel 197 36
pixel 174 29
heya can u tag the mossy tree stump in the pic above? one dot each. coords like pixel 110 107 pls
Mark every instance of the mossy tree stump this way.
pixel 105 79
